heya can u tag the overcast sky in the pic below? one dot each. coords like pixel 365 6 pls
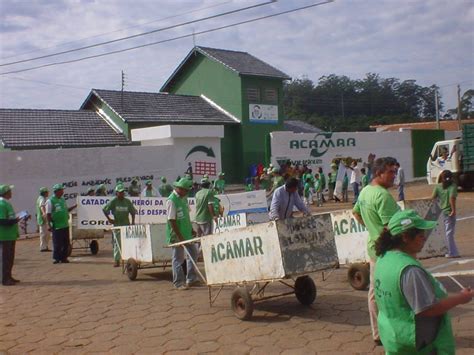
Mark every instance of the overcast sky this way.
pixel 430 41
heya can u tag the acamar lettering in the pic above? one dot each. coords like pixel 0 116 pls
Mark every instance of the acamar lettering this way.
pixel 345 226
pixel 236 249
pixel 135 232
pixel 320 146
pixel 228 221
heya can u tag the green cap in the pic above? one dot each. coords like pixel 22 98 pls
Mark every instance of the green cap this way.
pixel 134 180
pixel 221 174
pixel 205 176
pixel 119 188
pixel 163 179
pixel 184 183
pixel 275 170
pixel 57 187
pixel 43 189
pixel 101 187
pixel 407 219
pixel 148 182
pixel 5 188
pixel 90 189
pixel 203 180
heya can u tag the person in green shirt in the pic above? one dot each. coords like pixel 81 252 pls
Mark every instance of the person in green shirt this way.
pixel 149 190
pixel 204 209
pixel 41 218
pixel 101 190
pixel 134 189
pixel 165 189
pixel 373 209
pixel 318 189
pixel 178 229
pixel 9 233
pixel 90 191
pixel 307 192
pixel 120 207
pixel 58 220
pixel 219 184
pixel 446 193
pixel 364 180
pixel 413 306
pixel 322 177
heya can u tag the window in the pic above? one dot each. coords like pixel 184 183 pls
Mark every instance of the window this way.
pixel 253 94
pixel 271 96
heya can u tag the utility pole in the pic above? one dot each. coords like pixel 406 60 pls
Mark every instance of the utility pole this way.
pixel 437 109
pixel 123 85
pixel 459 107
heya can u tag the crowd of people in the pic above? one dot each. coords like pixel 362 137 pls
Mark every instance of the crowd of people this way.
pixel 407 305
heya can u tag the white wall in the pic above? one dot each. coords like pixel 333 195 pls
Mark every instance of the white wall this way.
pixel 298 147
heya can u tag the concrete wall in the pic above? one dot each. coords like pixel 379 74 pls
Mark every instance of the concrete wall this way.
pixel 81 168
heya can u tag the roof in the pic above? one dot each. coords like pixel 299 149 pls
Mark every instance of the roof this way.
pixel 447 125
pixel 300 127
pixel 242 63
pixel 150 107
pixel 29 129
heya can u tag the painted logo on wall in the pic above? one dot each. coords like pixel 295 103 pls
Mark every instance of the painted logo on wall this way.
pixel 200 148
pixel 321 143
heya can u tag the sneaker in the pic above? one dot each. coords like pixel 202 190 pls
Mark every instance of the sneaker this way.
pixel 55 261
pixel 452 256
pixel 195 283
pixel 181 288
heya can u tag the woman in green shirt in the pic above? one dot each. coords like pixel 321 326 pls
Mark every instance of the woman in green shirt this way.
pixel 446 193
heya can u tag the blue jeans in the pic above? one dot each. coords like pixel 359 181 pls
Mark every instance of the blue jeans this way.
pixel 355 188
pixel 177 259
pixel 450 225
pixel 401 193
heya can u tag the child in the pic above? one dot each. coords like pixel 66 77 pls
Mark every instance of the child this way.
pixel 307 196
pixel 364 180
pixel 318 187
pixel 345 185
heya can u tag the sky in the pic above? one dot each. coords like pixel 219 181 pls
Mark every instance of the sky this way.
pixel 430 41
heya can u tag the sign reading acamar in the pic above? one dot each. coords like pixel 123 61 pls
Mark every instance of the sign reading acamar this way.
pixel 321 143
pixel 237 249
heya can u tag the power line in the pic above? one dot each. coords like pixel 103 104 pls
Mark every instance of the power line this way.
pixel 138 34
pixel 170 39
pixel 118 30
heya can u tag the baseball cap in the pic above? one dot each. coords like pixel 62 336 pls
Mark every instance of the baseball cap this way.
pixel 119 188
pixel 43 189
pixel 57 187
pixel 5 188
pixel 407 219
pixel 184 183
pixel 148 182
pixel 275 170
pixel 221 174
pixel 163 179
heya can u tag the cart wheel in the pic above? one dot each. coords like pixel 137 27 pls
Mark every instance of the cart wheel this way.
pixel 305 290
pixel 94 246
pixel 242 304
pixel 131 268
pixel 69 249
pixel 359 276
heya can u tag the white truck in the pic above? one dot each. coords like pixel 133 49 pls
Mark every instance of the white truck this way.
pixel 456 155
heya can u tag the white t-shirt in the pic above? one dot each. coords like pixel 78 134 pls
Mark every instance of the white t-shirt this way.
pixel 355 175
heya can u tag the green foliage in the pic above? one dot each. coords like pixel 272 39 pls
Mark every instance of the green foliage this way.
pixel 338 103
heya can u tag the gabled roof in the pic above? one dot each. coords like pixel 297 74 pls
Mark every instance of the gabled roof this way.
pixel 300 127
pixel 33 129
pixel 242 63
pixel 150 107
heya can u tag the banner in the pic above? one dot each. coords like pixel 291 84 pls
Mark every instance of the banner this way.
pixel 152 210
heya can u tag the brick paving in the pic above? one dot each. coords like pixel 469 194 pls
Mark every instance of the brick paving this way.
pixel 88 306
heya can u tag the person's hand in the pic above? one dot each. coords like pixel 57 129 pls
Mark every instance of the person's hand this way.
pixel 466 295
pixel 111 221
pixel 215 219
pixel 452 214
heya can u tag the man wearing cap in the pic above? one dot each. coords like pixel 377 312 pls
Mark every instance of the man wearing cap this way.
pixel 165 189
pixel 149 190
pixel 41 218
pixel 8 235
pixel 90 191
pixel 101 190
pixel 205 208
pixel 374 208
pixel 219 184
pixel 120 207
pixel 58 220
pixel 134 189
pixel 178 229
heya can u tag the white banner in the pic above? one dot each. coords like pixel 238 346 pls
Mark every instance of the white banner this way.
pixel 263 113
pixel 229 222
pixel 152 210
pixel 247 254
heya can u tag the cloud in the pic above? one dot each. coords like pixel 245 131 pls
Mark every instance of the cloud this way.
pixel 430 41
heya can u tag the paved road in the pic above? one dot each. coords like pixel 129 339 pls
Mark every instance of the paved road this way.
pixel 88 306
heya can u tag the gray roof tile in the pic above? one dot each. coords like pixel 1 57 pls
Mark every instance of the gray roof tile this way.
pixel 300 127
pixel 162 108
pixel 28 129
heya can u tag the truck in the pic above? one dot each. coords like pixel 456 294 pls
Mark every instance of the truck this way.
pixel 456 155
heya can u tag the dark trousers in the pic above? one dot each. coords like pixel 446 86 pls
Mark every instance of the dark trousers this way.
pixel 7 254
pixel 60 244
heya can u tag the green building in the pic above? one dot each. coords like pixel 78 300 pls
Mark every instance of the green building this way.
pixel 241 86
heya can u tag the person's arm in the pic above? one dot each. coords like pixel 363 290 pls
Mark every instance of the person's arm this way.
pixel 448 303
pixel 452 202
pixel 108 207
pixel 300 204
pixel 133 212
pixel 358 217
pixel 275 206
pixel 49 211
pixel 71 208
pixel 175 228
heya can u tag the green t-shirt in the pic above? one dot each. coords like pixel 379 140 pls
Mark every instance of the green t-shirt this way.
pixel 120 210
pixel 307 186
pixel 333 177
pixel 203 198
pixel 278 181
pixel 219 185
pixel 445 195
pixel 364 180
pixel 59 213
pixel 41 200
pixel 322 177
pixel 165 190
pixel 376 206
pixel 318 187
pixel 7 212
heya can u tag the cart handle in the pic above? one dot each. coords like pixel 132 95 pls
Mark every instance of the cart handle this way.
pixel 194 240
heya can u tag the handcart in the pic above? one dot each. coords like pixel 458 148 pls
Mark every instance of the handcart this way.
pixel 83 239
pixel 252 258
pixel 143 247
pixel 455 271
pixel 351 240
